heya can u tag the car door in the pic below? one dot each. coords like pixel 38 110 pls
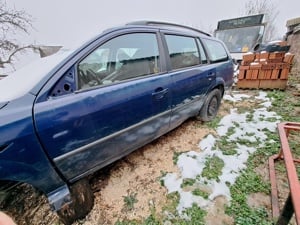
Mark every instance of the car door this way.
pixel 191 76
pixel 122 102
pixel 219 57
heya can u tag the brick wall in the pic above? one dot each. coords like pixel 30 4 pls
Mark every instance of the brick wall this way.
pixel 294 41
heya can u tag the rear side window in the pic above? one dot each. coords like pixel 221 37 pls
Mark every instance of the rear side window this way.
pixel 216 50
pixel 183 51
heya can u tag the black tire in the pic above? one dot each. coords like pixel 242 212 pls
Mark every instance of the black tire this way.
pixel 210 106
pixel 82 202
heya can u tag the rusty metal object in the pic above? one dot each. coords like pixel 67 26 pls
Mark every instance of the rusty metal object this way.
pixel 292 204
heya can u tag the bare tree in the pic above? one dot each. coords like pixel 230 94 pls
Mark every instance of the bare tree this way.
pixel 267 8
pixel 12 22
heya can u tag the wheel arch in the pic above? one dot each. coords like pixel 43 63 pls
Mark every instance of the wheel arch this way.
pixel 220 84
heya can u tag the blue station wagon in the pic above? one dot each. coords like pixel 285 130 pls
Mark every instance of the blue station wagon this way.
pixel 68 115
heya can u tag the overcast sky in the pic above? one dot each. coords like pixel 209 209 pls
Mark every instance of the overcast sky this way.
pixel 67 22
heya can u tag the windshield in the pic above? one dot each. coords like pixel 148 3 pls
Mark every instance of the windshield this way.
pixel 241 39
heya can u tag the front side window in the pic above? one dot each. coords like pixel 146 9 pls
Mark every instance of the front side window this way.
pixel 124 57
pixel 216 50
pixel 183 51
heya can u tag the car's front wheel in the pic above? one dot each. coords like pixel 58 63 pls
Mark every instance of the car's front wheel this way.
pixel 82 201
pixel 211 106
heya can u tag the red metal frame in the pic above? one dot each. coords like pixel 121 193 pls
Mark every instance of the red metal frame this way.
pixel 292 204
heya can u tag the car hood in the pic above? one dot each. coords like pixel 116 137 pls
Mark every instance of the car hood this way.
pixel 27 78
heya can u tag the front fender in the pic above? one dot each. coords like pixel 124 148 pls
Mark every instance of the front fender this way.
pixel 22 158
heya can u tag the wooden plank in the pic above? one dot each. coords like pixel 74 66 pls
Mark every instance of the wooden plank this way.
pixel 252 84
pixel 273 84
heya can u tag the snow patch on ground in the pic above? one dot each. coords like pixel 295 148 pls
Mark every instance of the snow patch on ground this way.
pixel 249 126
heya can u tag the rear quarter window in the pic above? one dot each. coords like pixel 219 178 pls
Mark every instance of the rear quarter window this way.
pixel 216 50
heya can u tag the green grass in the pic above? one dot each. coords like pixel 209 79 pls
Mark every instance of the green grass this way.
pixel 195 214
pixel 192 216
pixel 230 131
pixel 188 182
pixel 199 192
pixel 129 201
pixel 246 109
pixel 172 202
pixel 284 103
pixel 176 156
pixel 249 181
pixel 247 142
pixel 214 123
pixel 249 117
pixel 227 147
pixel 151 220
pixel 213 168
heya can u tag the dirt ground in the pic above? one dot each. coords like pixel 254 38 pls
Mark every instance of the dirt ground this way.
pixel 136 175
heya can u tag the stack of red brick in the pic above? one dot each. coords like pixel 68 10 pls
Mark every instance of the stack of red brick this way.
pixel 265 70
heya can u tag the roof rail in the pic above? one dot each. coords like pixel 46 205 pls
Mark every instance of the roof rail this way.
pixel 148 23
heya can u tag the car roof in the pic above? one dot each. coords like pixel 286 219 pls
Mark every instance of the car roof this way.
pixel 169 26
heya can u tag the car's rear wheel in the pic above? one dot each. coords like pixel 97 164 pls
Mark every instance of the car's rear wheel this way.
pixel 82 202
pixel 211 106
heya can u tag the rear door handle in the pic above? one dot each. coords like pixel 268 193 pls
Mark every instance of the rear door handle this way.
pixel 160 93
pixel 210 75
